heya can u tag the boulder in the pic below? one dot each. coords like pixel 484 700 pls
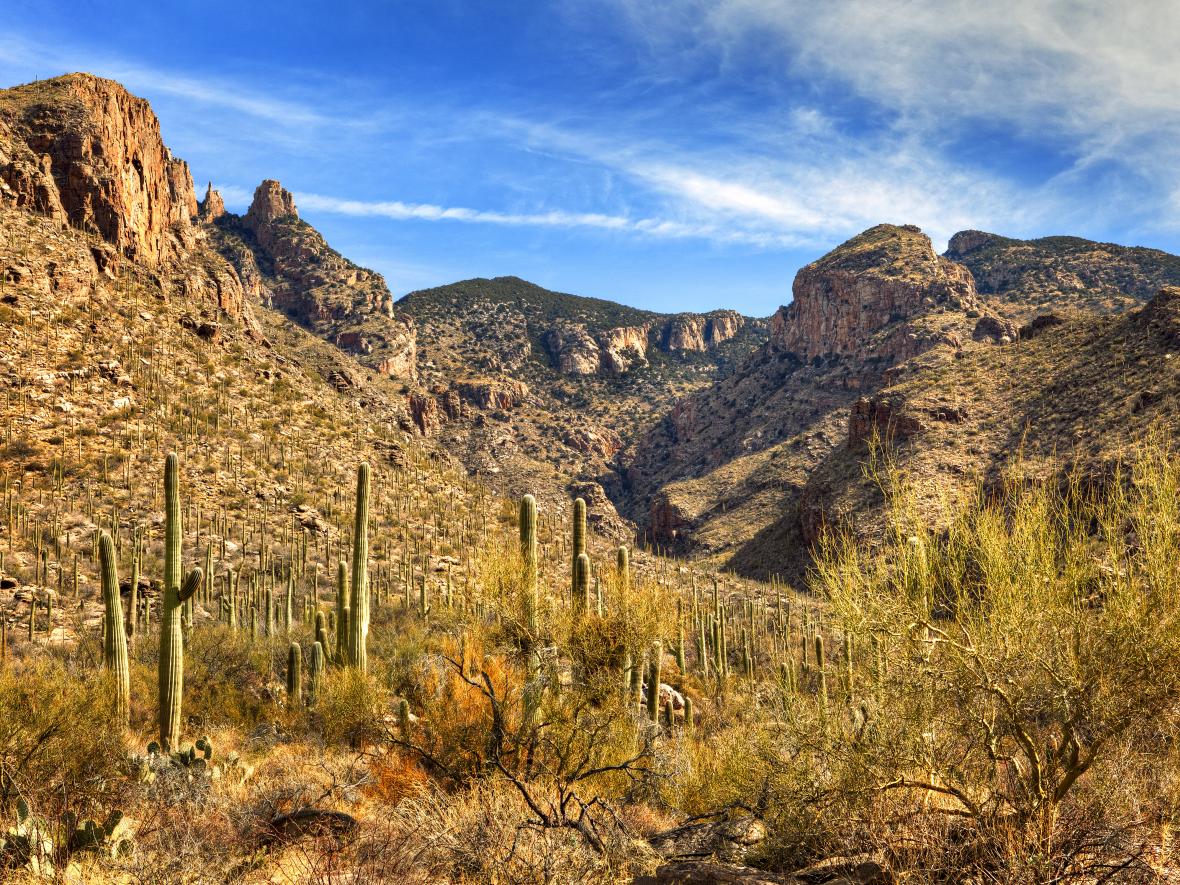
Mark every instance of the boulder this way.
pixel 727 840
pixel 699 872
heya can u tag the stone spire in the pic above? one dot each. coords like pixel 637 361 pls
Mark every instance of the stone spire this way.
pixel 212 207
pixel 271 202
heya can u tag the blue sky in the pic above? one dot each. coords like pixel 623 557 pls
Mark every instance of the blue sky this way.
pixel 671 154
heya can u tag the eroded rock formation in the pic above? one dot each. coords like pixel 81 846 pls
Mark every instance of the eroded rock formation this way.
pixel 86 153
pixel 290 266
pixel 847 302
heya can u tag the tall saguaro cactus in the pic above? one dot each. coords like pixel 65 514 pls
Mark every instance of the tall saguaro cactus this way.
pixel 294 673
pixel 579 538
pixel 528 555
pixel 171 672
pixel 582 584
pixel 343 613
pixel 114 646
pixel 359 618
pixel 317 673
pixel 653 681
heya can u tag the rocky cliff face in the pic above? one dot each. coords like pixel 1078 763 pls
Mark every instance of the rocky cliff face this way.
pixel 700 332
pixel 855 300
pixel 576 350
pixel 724 465
pixel 289 265
pixel 85 152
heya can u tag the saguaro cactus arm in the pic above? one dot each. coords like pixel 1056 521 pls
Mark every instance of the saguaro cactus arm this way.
pixel 192 583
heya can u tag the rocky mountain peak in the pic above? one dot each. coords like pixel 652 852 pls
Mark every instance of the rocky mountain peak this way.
pixel 213 206
pixel 846 300
pixel 87 152
pixel 271 202
pixel 966 242
pixel 289 265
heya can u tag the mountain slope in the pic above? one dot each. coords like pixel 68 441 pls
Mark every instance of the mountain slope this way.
pixel 725 463
pixel 538 389
pixel 287 264
pixel 1081 392
pixel 1062 273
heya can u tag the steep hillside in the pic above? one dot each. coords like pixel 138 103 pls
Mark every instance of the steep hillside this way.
pixel 1082 392
pixel 1062 273
pixel 717 473
pixel 535 389
pixel 287 264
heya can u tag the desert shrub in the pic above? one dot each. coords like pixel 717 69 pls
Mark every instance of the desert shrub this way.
pixel 61 747
pixel 229 680
pixel 1004 667
pixel 353 709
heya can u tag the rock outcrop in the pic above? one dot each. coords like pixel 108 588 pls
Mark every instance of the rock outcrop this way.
pixel 86 151
pixel 213 206
pixel 700 332
pixel 623 348
pixel 883 417
pixel 493 394
pixel 271 203
pixel 573 349
pixel 684 333
pixel 846 303
pixel 576 350
pixel 289 265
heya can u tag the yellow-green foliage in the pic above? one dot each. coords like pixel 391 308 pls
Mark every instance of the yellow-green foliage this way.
pixel 60 739
pixel 1031 650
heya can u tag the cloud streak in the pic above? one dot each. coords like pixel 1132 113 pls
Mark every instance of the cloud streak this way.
pixel 655 227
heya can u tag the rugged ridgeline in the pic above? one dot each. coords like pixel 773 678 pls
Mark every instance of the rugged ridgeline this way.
pixel 1062 274
pixel 286 264
pixel 126 331
pixel 87 155
pixel 886 338
pixel 716 474
pixel 533 389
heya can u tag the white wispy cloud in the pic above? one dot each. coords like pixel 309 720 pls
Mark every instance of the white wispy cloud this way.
pixel 655 227
pixel 1099 82
pixel 805 184
pixel 48 60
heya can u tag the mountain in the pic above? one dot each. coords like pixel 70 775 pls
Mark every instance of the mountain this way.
pixel 287 264
pixel 1062 273
pixel 86 154
pixel 138 321
pixel 721 468
pixel 883 337
pixel 539 390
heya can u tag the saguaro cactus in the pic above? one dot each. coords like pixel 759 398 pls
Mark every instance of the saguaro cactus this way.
pixel 131 621
pixel 820 665
pixel 579 538
pixel 317 673
pixel 114 647
pixel 171 671
pixel 343 613
pixel 359 618
pixel 321 632
pixel 294 673
pixel 653 685
pixel 582 584
pixel 528 555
